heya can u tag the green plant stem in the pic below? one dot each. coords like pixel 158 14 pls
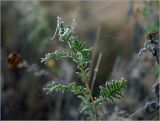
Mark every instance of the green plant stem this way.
pixel 91 97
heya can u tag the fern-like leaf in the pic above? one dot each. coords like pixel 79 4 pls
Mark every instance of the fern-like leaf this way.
pixel 58 55
pixel 111 91
pixel 80 53
pixel 71 87
pixel 66 34
pixel 81 48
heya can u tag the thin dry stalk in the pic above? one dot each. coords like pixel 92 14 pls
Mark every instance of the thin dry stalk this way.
pixel 96 71
pixel 94 52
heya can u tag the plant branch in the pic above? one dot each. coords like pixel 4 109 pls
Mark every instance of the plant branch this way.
pixel 91 97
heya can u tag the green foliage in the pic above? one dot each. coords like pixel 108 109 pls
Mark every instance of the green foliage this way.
pixel 112 90
pixel 81 56
pixel 71 87
pixel 108 93
pixel 87 106
pixel 80 53
pixel 58 56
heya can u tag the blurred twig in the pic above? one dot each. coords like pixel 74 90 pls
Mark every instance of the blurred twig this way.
pixel 96 71
pixel 94 53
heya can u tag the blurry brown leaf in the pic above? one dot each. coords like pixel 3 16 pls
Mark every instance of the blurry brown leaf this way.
pixel 13 60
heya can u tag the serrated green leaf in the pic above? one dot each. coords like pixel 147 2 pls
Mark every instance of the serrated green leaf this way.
pixel 71 87
pixel 111 91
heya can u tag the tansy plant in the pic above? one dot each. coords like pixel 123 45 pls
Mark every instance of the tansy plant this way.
pixel 81 56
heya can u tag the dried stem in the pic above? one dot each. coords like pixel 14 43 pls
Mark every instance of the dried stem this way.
pixel 96 71
pixel 94 53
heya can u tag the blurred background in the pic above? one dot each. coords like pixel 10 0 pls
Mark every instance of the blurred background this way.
pixel 117 29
